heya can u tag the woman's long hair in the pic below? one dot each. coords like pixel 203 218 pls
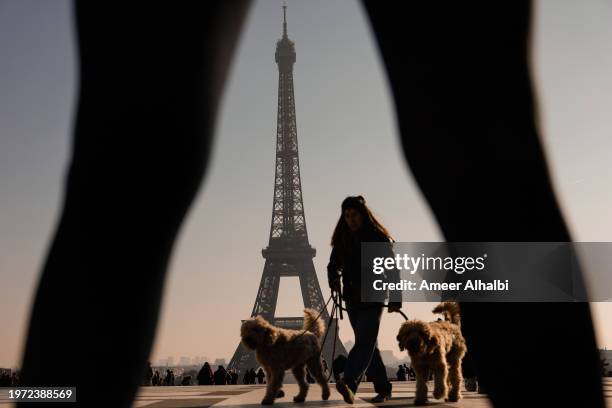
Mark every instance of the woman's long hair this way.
pixel 370 223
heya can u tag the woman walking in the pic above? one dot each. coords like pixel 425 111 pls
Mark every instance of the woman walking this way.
pixel 357 224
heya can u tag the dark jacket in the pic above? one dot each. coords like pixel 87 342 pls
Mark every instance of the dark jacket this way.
pixel 205 376
pixel 347 259
pixel 220 376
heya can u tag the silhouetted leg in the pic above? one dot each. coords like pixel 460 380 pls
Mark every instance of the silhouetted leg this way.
pixel 365 323
pixel 378 372
pixel 150 81
pixel 459 74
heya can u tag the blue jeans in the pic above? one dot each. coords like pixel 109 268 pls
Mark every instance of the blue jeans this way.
pixel 365 354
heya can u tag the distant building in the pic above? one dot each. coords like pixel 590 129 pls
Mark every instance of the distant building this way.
pixel 184 361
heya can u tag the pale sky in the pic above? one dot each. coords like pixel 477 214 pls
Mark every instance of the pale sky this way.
pixel 346 129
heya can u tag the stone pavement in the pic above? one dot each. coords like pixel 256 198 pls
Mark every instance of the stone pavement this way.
pixel 251 395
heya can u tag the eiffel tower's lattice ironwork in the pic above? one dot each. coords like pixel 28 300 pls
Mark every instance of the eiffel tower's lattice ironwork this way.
pixel 288 253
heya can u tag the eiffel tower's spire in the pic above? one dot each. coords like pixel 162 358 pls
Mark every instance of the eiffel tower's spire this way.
pixel 285 48
pixel 285 20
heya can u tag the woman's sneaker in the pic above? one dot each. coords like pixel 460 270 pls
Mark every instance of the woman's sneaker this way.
pixel 381 397
pixel 345 391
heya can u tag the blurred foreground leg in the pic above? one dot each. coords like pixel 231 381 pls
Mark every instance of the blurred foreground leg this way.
pixel 459 74
pixel 151 76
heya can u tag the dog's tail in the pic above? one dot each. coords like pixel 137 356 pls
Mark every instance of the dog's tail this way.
pixel 450 311
pixel 313 324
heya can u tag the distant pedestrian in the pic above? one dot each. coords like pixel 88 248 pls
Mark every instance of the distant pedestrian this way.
pixel 5 379
pixel 260 376
pixel 411 373
pixel 205 375
pixel 401 373
pixel 14 379
pixel 156 380
pixel 168 380
pixel 148 375
pixel 220 376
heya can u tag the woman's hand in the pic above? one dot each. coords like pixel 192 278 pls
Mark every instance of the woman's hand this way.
pixel 333 277
pixel 334 284
pixel 394 307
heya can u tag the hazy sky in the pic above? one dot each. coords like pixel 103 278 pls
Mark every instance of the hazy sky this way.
pixel 346 129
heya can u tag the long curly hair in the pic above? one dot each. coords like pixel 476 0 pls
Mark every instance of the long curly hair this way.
pixel 371 225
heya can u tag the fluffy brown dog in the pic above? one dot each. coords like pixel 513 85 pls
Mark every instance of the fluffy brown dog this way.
pixel 437 346
pixel 279 349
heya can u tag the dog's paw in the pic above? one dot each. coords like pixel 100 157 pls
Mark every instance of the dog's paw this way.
pixel 453 397
pixel 280 394
pixel 440 393
pixel 325 395
pixel 267 401
pixel 420 401
pixel 299 398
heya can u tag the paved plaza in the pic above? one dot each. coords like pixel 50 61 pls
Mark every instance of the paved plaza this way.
pixel 251 395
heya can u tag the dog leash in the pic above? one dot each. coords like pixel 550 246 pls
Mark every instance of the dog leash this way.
pixel 319 315
pixel 386 306
pixel 338 302
pixel 336 312
pixel 333 314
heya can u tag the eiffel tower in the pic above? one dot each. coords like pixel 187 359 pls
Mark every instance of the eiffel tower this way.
pixel 288 253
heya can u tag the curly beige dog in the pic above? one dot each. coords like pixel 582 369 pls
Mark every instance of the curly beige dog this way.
pixel 437 346
pixel 279 349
